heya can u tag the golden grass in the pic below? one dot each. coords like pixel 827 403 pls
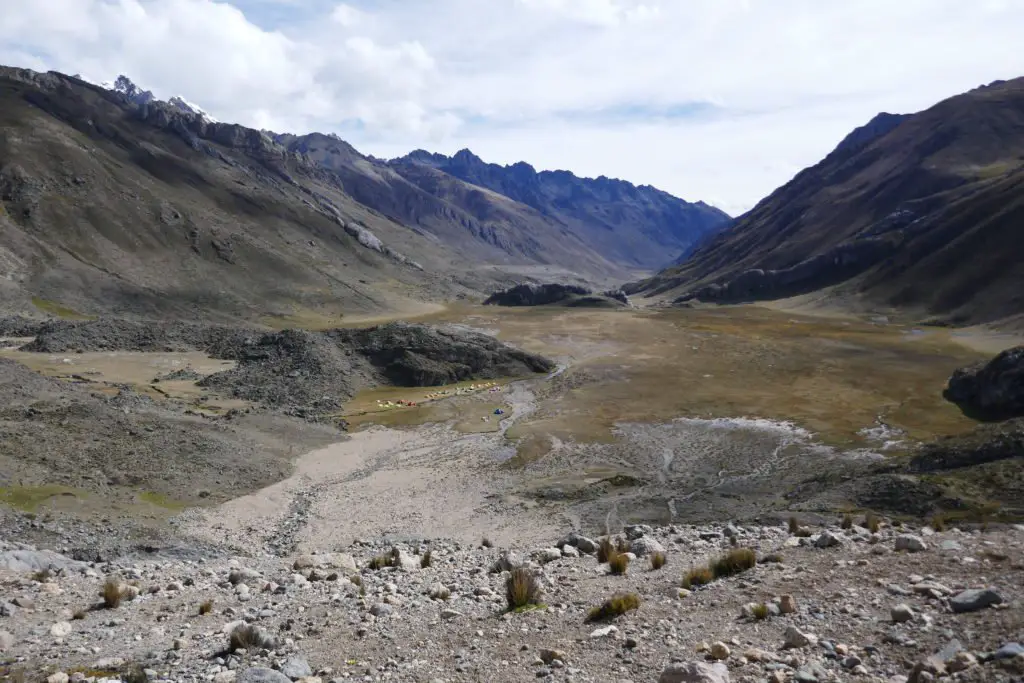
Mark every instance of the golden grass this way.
pixel 113 592
pixel 615 606
pixel 618 563
pixel 29 498
pixel 205 607
pixel 605 549
pixel 872 522
pixel 59 310
pixel 698 576
pixel 658 560
pixel 426 559
pixel 522 589
pixel 761 612
pixel 734 562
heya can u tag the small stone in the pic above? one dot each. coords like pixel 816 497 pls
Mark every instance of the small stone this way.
pixel 548 555
pixel 24 603
pixel 58 677
pixel 604 631
pixel 694 672
pixel 259 675
pixel 910 543
pixel 901 613
pixel 548 656
pixel 449 614
pixel 439 591
pixel 795 638
pixel 570 551
pixel 61 629
pixel 1009 651
pixel 828 539
pixel 296 667
pixel 961 661
pixel 973 600
pixel 787 604
pixel 381 610
pixel 720 650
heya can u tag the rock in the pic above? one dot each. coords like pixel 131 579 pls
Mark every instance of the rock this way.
pixel 258 675
pixel 604 631
pixel 586 545
pixel 720 650
pixel 1005 652
pixel 548 555
pixel 381 609
pixel 36 561
pixel 296 667
pixel 961 661
pixel 238 576
pixel 6 641
pixel 449 614
pixel 439 591
pixel 694 672
pixel 61 629
pixel 901 613
pixel 951 545
pixel 225 677
pixel 8 609
pixel 24 603
pixel 303 562
pixel 827 539
pixel 787 604
pixel 973 600
pixel 990 391
pixel 795 638
pixel 548 656
pixel 506 563
pixel 570 551
pixel 910 543
pixel 58 677
pixel 644 546
pixel 635 531
pixel 730 531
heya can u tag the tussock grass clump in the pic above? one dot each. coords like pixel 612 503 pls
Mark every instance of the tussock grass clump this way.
pixel 618 563
pixel 391 558
pixel 426 559
pixel 205 607
pixel 79 614
pixel 605 548
pixel 42 576
pixel 658 560
pixel 734 562
pixel 615 606
pixel 771 558
pixel 522 589
pixel 487 543
pixel 847 522
pixel 698 576
pixel 938 522
pixel 249 637
pixel 621 545
pixel 113 593
pixel 872 522
pixel 794 524
pixel 357 579
pixel 803 532
pixel 761 612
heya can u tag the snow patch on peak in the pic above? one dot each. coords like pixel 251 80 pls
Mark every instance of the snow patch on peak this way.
pixel 184 105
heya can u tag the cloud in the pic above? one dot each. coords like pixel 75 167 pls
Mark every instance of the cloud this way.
pixel 720 100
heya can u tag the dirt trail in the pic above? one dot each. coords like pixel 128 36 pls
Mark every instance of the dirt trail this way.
pixel 381 482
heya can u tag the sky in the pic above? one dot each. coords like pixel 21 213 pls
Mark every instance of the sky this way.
pixel 713 100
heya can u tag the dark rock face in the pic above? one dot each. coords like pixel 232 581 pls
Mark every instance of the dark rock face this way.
pixel 990 391
pixel 988 443
pixel 535 295
pixel 558 295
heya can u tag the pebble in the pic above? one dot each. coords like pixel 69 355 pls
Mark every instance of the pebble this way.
pixel 787 604
pixel 795 638
pixel 901 613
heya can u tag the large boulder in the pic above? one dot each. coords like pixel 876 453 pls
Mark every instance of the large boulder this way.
pixel 990 391
pixel 694 672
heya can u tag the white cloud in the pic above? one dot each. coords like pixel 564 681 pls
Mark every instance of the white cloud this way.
pixel 580 84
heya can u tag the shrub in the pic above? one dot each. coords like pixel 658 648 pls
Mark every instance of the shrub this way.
pixel 357 579
pixel 249 637
pixel 486 543
pixel 388 559
pixel 734 562
pixel 698 576
pixel 771 558
pixel 621 545
pixel 803 532
pixel 658 560
pixel 205 607
pixel 872 522
pixel 79 614
pixel 794 524
pixel 939 522
pixel 618 563
pixel 42 576
pixel 113 593
pixel 605 549
pixel 615 606
pixel 847 522
pixel 425 559
pixel 761 612
pixel 522 589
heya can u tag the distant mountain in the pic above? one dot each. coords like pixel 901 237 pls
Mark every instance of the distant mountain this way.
pixel 923 212
pixel 632 226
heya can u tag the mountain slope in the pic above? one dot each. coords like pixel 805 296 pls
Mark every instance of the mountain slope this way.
pixel 923 212
pixel 635 227
pixel 109 206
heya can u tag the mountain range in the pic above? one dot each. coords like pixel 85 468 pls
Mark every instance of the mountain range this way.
pixel 113 200
pixel 923 213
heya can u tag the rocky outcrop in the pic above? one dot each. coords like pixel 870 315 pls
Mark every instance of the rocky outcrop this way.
pixel 555 295
pixel 990 391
